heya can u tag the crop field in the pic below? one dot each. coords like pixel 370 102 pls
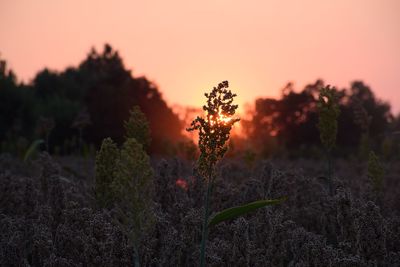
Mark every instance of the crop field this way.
pixel 49 216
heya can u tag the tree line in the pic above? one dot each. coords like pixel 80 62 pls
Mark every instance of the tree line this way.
pixel 77 108
pixel 82 105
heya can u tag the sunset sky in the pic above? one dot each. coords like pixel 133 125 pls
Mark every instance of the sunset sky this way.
pixel 186 47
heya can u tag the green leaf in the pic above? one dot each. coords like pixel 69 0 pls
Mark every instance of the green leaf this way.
pixel 32 148
pixel 235 212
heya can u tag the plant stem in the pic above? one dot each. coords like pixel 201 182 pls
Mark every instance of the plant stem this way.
pixel 330 173
pixel 205 226
pixel 136 259
pixel 47 143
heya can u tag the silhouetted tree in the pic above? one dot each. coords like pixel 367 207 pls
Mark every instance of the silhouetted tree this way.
pixel 292 119
pixel 17 116
pixel 114 92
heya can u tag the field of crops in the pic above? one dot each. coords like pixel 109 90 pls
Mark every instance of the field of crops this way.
pixel 49 216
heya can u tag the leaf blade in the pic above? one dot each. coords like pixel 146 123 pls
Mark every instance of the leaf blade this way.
pixel 32 149
pixel 237 211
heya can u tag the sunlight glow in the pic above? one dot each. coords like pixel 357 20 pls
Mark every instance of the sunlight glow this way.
pixel 220 119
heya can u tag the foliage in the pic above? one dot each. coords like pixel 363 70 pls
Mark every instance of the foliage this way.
pixel 137 126
pixel 34 147
pixel 311 228
pixel 234 212
pixel 291 120
pixel 101 86
pixel 17 116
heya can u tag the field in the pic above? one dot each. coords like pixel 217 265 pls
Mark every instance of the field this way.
pixel 49 216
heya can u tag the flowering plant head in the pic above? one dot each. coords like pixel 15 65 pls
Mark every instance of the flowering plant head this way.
pixel 214 129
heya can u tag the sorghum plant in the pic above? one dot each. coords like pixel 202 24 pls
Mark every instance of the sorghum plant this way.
pixel 105 169
pixel 133 189
pixel 375 172
pixel 124 184
pixel 137 126
pixel 329 111
pixel 214 131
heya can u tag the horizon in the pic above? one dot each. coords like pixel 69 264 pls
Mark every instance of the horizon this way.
pixel 179 45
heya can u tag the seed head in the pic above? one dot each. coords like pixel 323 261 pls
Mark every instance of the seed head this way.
pixel 214 129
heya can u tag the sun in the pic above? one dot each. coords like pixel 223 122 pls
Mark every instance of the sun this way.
pixel 221 118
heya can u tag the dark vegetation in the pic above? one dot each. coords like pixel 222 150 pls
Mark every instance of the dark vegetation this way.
pixel 83 104
pixel 49 216
pixel 88 194
pixel 77 108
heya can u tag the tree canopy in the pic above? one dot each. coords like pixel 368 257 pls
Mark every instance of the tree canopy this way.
pixel 101 86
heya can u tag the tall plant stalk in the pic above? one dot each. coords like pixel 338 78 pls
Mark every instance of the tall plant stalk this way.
pixel 214 130
pixel 329 157
pixel 328 107
pixel 204 232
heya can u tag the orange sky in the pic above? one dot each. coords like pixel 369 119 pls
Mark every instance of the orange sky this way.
pixel 186 46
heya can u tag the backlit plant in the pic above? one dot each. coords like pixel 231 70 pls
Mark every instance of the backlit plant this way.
pixel 214 131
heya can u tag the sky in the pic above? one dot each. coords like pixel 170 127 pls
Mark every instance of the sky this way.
pixel 186 47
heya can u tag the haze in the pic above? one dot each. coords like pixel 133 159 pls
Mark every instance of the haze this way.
pixel 186 47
